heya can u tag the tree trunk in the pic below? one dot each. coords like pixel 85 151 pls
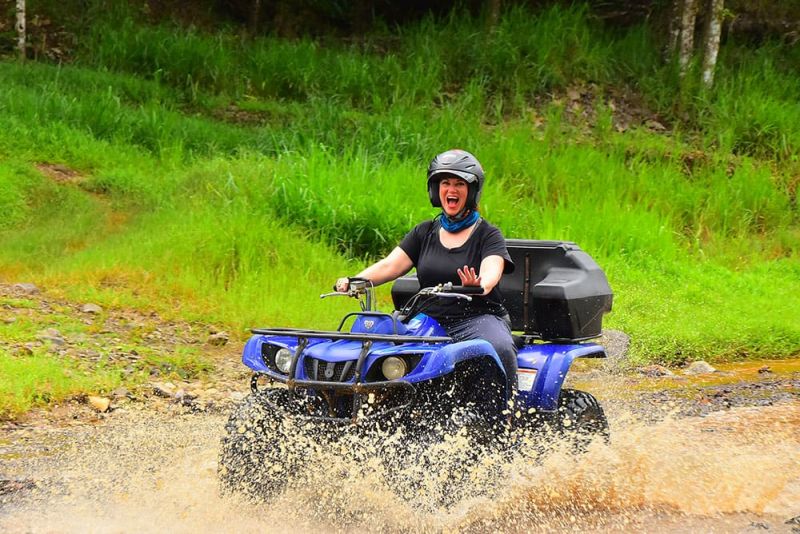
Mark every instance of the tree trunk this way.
pixel 712 35
pixel 493 14
pixel 687 34
pixel 284 20
pixel 21 28
pixel 674 29
pixel 255 17
pixel 361 17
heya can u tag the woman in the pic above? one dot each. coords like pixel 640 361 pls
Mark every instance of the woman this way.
pixel 459 247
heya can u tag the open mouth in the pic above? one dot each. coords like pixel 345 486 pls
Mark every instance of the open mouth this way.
pixel 452 202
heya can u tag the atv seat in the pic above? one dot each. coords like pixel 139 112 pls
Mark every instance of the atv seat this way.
pixel 556 293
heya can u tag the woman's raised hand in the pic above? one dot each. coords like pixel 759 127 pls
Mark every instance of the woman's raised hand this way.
pixel 468 276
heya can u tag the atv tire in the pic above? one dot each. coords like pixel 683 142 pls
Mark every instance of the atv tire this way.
pixel 580 418
pixel 254 459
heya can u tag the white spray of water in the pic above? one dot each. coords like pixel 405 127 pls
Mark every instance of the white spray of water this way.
pixel 160 473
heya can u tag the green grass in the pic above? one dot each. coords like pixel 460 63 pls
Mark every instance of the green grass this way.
pixel 185 364
pixel 231 181
pixel 17 303
pixel 36 372
pixel 683 313
pixel 39 379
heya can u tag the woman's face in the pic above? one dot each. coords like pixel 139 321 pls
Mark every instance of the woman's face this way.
pixel 453 194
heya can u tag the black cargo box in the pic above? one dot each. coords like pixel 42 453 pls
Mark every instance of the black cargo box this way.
pixel 557 292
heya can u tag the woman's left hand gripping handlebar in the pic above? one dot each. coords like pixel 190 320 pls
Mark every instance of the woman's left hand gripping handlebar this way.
pixel 342 285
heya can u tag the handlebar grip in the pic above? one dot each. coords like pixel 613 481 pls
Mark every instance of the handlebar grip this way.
pixel 466 290
pixel 353 279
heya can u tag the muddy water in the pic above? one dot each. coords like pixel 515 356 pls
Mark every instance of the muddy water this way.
pixel 732 471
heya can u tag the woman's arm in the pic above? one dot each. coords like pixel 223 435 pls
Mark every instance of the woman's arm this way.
pixel 396 264
pixel 491 271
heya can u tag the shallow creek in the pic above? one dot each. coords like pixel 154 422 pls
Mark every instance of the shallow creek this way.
pixel 730 470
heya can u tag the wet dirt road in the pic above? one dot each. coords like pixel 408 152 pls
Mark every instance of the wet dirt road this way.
pixel 680 459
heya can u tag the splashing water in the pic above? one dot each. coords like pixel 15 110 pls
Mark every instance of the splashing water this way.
pixel 147 472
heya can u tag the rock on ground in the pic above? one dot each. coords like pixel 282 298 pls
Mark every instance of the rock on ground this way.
pixel 219 339
pixel 27 288
pixel 165 389
pixel 699 368
pixel 90 308
pixel 656 371
pixel 100 404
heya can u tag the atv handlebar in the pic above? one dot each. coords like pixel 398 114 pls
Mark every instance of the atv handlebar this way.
pixel 448 290
pixel 362 287
pixel 357 287
pixel 463 290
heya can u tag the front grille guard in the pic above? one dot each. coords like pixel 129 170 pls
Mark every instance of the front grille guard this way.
pixel 333 371
pixel 358 388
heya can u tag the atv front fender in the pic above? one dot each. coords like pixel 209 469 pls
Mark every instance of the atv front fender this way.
pixel 251 355
pixel 444 361
pixel 552 362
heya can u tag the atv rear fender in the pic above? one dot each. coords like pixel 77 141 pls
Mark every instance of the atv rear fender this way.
pixel 552 362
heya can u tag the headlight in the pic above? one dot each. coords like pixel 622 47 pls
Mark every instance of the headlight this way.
pixel 394 368
pixel 283 360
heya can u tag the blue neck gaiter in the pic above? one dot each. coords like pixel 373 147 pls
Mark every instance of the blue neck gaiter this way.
pixel 458 223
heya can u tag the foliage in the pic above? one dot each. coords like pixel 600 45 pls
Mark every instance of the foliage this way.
pixel 232 180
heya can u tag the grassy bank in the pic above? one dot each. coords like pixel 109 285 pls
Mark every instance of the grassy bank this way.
pixel 231 180
pixel 53 351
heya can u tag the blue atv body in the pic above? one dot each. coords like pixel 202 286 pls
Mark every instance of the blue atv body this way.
pixel 402 370
pixel 542 367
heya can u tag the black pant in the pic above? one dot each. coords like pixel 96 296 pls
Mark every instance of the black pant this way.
pixel 497 332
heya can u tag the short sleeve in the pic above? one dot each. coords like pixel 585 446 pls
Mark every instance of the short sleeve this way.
pixel 494 244
pixel 413 241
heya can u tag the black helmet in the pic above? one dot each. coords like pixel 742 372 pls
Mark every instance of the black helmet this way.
pixel 458 163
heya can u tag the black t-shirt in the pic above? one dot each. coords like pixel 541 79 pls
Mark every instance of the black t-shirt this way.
pixel 437 264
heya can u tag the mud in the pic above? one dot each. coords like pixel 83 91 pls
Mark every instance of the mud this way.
pixel 732 470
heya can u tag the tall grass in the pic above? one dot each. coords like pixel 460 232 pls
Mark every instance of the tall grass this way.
pixel 750 111
pixel 549 185
pixel 233 180
pixel 221 263
pixel 525 55
pixel 731 198
pixel 432 63
pixel 754 108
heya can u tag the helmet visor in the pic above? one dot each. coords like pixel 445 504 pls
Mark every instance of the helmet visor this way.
pixel 466 176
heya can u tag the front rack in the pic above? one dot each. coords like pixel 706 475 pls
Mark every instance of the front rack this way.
pixel 327 334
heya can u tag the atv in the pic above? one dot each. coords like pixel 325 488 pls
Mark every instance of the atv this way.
pixel 400 373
